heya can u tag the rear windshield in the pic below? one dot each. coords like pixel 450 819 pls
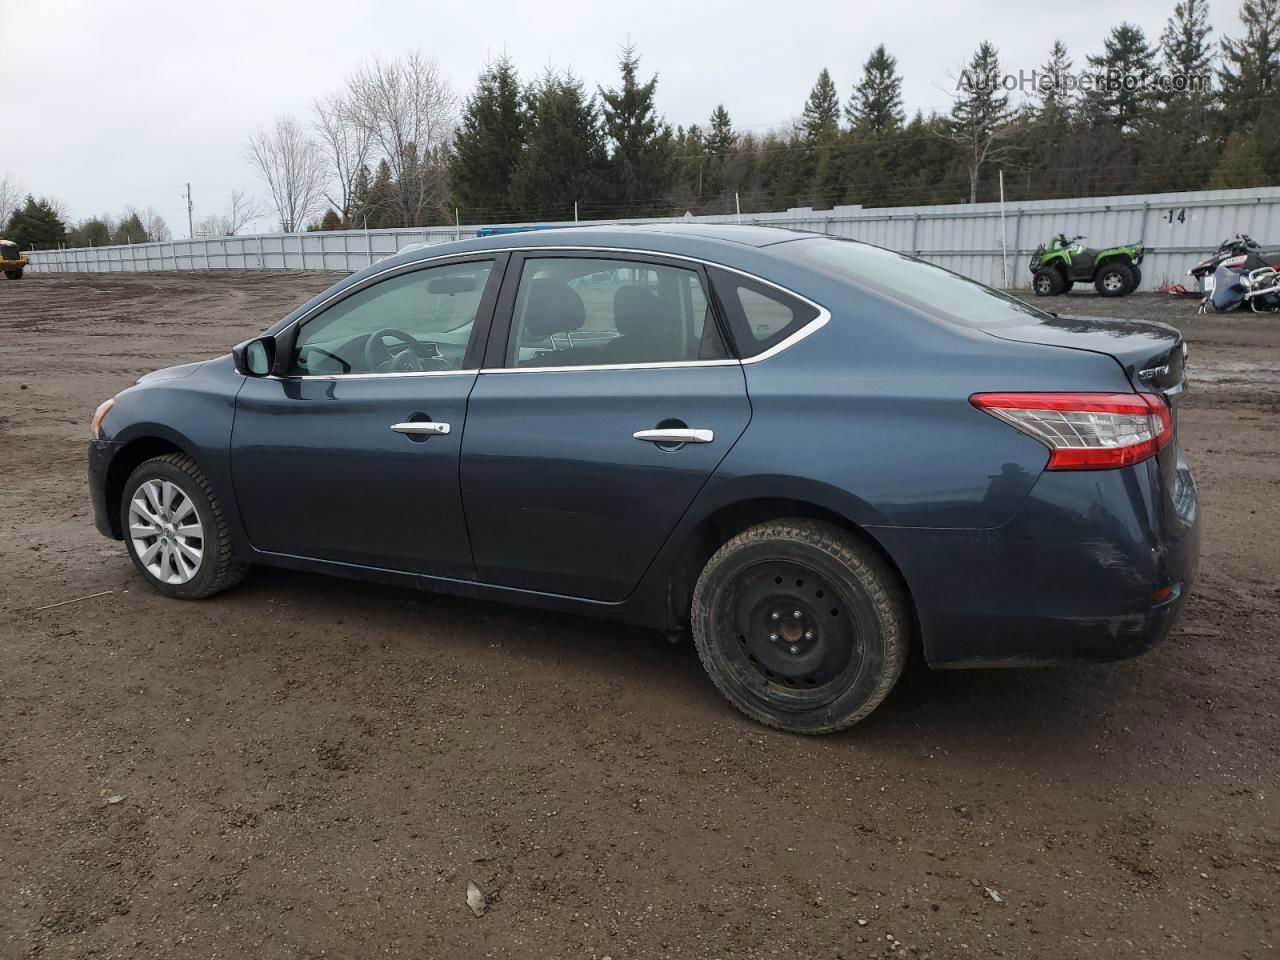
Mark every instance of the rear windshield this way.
pixel 933 289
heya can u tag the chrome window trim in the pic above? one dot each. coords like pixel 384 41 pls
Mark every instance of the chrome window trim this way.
pixel 810 328
pixel 596 367
pixel 373 376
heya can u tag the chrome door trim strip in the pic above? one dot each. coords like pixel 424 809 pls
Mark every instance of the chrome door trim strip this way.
pixel 596 367
pixel 373 376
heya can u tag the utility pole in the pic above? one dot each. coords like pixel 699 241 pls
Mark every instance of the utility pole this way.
pixel 191 230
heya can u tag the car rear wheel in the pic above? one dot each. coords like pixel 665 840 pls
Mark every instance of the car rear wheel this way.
pixel 13 274
pixel 175 530
pixel 801 626
pixel 1114 280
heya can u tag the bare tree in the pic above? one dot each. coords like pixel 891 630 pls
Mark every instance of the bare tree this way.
pixel 240 211
pixel 346 144
pixel 157 230
pixel 290 164
pixel 10 197
pixel 407 108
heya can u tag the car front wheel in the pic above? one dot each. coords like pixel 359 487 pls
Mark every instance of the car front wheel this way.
pixel 175 530
pixel 801 625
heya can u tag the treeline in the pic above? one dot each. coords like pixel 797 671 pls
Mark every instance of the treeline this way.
pixel 1184 111
pixel 393 147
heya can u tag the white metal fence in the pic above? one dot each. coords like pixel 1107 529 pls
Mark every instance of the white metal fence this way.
pixel 1178 229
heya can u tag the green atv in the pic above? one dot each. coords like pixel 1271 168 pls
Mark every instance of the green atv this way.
pixel 1063 263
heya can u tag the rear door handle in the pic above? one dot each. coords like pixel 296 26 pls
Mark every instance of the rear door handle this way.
pixel 685 435
pixel 421 428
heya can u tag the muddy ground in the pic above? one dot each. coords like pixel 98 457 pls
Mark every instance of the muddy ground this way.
pixel 312 767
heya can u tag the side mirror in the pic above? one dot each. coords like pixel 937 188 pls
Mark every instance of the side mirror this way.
pixel 255 358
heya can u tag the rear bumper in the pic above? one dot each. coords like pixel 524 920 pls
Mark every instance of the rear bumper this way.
pixel 101 453
pixel 1095 565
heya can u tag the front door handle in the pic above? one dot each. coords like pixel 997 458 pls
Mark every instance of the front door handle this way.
pixel 671 435
pixel 421 428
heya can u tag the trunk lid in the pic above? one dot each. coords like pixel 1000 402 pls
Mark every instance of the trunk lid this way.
pixel 1152 354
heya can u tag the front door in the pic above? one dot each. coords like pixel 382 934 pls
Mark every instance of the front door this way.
pixel 352 455
pixel 591 434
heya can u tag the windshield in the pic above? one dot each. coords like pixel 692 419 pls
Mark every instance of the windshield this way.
pixel 930 288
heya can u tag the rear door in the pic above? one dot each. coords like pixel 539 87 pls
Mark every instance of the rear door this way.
pixel 352 456
pixel 606 401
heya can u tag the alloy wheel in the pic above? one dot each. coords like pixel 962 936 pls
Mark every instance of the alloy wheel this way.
pixel 166 531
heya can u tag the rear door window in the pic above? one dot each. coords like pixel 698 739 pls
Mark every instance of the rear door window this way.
pixel 760 316
pixel 580 311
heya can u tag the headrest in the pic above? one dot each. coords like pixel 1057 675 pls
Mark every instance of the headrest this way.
pixel 638 311
pixel 552 307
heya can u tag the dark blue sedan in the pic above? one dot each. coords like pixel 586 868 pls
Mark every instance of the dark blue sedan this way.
pixel 810 452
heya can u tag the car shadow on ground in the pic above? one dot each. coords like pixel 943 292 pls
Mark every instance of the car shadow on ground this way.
pixel 1042 710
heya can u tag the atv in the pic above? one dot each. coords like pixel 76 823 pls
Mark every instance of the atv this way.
pixel 1063 263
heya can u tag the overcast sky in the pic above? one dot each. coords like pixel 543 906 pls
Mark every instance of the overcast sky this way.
pixel 120 103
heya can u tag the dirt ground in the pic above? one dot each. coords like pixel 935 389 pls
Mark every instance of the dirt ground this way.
pixel 313 767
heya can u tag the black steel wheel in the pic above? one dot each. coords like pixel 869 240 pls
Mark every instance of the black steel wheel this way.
pixel 801 625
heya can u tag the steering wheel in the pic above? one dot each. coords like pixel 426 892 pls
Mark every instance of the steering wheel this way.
pixel 378 359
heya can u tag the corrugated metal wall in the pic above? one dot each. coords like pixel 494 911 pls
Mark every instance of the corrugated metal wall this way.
pixel 1179 228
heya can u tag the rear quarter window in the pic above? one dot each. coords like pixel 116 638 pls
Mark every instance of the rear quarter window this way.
pixel 930 288
pixel 760 316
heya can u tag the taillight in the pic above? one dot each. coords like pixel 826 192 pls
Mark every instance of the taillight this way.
pixel 1086 431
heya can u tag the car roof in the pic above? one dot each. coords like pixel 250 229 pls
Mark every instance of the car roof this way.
pixel 692 239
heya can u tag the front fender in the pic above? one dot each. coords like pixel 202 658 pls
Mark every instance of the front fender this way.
pixel 195 414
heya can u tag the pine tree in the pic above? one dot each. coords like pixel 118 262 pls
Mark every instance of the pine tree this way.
pixel 565 157
pixel 1251 65
pixel 875 107
pixel 488 142
pixel 360 188
pixel 981 119
pixel 821 118
pixel 331 220
pixel 721 138
pixel 641 162
pixel 130 229
pixel 36 223
pixel 718 147
pixel 1187 52
pixel 380 208
pixel 1055 104
pixel 1124 96
pixel 1184 44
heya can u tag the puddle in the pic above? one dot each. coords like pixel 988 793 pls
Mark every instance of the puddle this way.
pixel 1236 373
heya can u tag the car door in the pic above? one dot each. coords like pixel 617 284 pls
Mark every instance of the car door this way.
pixel 351 455
pixel 606 401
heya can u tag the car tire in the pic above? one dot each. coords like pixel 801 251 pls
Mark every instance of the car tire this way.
pixel 1137 278
pixel 820 671
pixel 1113 279
pixel 1066 287
pixel 13 274
pixel 190 559
pixel 1048 282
